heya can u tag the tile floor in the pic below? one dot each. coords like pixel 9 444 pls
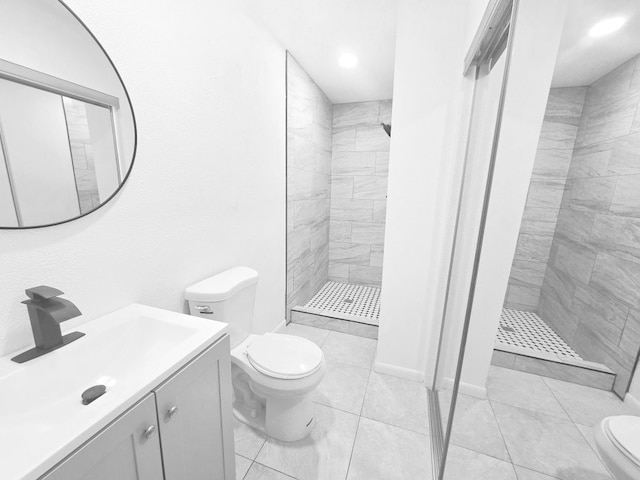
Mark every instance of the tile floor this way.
pixel 373 426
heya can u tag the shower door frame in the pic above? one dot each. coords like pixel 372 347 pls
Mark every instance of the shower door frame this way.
pixel 493 39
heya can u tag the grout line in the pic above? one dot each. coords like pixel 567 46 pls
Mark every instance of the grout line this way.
pixel 353 446
pixel 495 417
pixel 365 392
pixel 248 469
pixel 276 470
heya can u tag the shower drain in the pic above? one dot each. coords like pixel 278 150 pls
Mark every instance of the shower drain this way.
pixel 348 300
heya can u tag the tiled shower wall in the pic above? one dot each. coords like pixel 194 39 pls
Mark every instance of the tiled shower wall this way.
pixel 359 169
pixel 591 289
pixel 309 116
pixel 555 147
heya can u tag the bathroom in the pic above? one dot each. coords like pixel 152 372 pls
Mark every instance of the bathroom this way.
pixel 206 190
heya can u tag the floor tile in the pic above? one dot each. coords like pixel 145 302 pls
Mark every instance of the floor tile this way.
pixel 469 465
pixel 343 387
pixel 396 401
pixel 586 405
pixel 322 455
pixel 248 441
pixel 587 433
pixel 385 452
pixel 242 466
pixel 475 426
pixel 260 472
pixel 547 444
pixel 316 335
pixel 523 390
pixel 349 349
pixel 526 474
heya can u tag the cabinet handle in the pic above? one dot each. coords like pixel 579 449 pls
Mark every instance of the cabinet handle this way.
pixel 149 432
pixel 172 411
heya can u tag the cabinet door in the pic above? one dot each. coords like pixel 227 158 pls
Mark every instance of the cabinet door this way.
pixel 195 416
pixel 127 449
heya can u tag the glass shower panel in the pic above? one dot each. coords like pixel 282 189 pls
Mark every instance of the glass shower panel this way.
pixel 488 65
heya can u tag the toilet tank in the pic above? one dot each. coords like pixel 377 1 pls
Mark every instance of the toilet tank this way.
pixel 226 297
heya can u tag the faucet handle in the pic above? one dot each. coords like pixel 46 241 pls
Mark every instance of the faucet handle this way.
pixel 42 292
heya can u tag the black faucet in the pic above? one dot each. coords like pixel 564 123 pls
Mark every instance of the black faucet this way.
pixel 46 313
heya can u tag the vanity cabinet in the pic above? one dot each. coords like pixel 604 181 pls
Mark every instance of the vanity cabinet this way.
pixel 196 418
pixel 128 449
pixel 181 430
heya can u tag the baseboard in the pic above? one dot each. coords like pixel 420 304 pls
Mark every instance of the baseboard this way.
pixel 466 388
pixel 632 402
pixel 280 325
pixel 401 372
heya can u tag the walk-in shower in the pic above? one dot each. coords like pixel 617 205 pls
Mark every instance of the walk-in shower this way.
pixel 337 165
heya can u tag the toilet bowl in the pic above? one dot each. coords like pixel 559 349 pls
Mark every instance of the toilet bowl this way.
pixel 273 379
pixel 273 375
pixel 618 444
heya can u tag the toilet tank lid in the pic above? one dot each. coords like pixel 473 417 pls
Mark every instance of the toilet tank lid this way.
pixel 221 286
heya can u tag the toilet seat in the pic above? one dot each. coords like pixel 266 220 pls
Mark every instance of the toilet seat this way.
pixel 622 431
pixel 284 356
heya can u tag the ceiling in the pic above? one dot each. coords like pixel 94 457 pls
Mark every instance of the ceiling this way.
pixel 316 32
pixel 582 59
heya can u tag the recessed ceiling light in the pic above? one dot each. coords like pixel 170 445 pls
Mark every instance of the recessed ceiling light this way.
pixel 348 60
pixel 607 26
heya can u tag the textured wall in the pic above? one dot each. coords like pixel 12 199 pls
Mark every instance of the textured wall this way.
pixel 591 289
pixel 359 170
pixel 206 190
pixel 309 114
pixel 555 147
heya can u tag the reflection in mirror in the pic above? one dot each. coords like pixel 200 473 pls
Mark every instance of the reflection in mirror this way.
pixel 67 133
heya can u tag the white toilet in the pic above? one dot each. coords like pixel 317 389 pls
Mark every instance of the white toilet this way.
pixel 618 443
pixel 273 375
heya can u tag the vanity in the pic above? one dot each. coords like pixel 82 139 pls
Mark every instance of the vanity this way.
pixel 165 413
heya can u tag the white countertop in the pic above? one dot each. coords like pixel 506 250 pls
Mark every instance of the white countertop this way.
pixel 131 351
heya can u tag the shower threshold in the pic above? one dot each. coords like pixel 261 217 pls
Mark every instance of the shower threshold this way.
pixel 342 307
pixel 525 342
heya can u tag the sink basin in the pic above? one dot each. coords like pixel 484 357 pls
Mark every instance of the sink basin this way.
pixel 131 351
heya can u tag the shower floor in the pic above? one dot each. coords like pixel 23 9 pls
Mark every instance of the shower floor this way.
pixel 344 301
pixel 526 330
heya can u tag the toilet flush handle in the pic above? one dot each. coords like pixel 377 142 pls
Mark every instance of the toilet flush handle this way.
pixel 203 308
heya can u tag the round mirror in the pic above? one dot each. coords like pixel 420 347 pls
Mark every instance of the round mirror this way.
pixel 67 130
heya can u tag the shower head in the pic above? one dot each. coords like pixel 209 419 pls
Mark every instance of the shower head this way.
pixel 387 128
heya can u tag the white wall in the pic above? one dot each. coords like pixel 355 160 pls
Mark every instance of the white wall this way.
pixel 431 101
pixel 426 110
pixel 207 188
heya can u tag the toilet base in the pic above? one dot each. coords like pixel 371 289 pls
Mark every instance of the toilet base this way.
pixel 287 419
pixel 618 464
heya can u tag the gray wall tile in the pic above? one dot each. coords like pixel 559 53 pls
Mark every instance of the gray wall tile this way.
pixel 626 196
pixel 365 275
pixel 356 114
pixel 351 253
pixel 309 147
pixel 371 187
pixel 367 233
pixel 372 139
pixel 360 165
